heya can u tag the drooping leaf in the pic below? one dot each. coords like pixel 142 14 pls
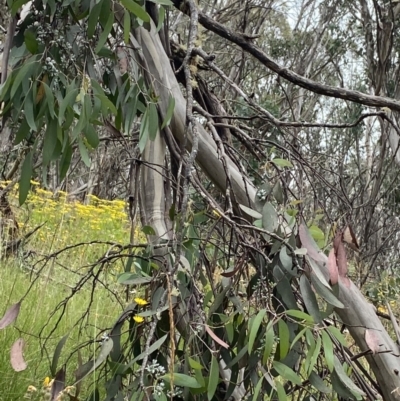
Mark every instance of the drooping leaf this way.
pixel 148 230
pixel 337 334
pixel 91 136
pixel 153 347
pixel 269 217
pixel 24 73
pixel 319 384
pixel 195 365
pixel 286 373
pixel 316 233
pixel 213 379
pixel 25 180
pixel 181 380
pixel 56 355
pixel 300 315
pixel 50 141
pixel 84 152
pixel 144 131
pixel 257 389
pixel 66 157
pixel 282 162
pixel 93 19
pixel 163 2
pixel 16 356
pixel 215 337
pixel 284 339
pixel 309 298
pixel 254 325
pixel 308 242
pixel 30 41
pixel 132 279
pixel 105 350
pixel 10 316
pixel 268 344
pixel 325 293
pixel 153 122
pixel 127 26
pixel 328 350
pixel 136 9
pixel 314 356
pixel 161 18
pixel 58 385
pixel 250 212
pixel 69 100
pixel 316 271
pixel 280 390
pixel 29 110
pixel 23 132
pixel 169 113
pixel 345 379
pixel 106 31
pixel 49 98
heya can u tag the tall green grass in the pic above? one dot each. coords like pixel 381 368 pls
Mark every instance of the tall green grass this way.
pixel 50 282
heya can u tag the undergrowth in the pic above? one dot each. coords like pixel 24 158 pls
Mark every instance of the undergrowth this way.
pixel 52 274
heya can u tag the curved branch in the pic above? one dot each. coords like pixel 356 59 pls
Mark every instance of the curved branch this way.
pixel 286 73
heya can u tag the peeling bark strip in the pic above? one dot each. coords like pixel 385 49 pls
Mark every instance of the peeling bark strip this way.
pixel 291 76
pixel 359 315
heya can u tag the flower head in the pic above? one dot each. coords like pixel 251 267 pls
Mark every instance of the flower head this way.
pixel 140 301
pixel 138 319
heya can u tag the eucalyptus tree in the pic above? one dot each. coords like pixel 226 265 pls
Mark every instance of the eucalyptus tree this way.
pixel 239 122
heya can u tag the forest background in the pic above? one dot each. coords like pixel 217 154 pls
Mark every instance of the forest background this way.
pixel 199 200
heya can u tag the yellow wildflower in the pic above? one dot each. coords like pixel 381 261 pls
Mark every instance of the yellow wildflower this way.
pixel 46 381
pixel 138 319
pixel 140 301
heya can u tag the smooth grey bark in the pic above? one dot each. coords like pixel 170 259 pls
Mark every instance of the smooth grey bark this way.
pixel 359 316
pixel 358 313
pixel 166 85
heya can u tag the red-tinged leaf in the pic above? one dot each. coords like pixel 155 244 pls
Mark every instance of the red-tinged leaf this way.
pixel 333 268
pixel 16 356
pixel 308 242
pixel 341 258
pixel 350 238
pixel 215 338
pixel 10 316
pixel 372 340
pixel 231 273
pixel 58 384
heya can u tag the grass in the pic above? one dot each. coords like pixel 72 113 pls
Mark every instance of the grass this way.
pixel 65 223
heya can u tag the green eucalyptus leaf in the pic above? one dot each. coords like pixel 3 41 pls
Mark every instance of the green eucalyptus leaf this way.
pixel 254 325
pixel 136 9
pixel 153 121
pixel 169 113
pixel 287 373
pixel 284 339
pixel 213 379
pixel 319 384
pixel 57 354
pixel 328 350
pixel 269 217
pixel 181 380
pixel 25 180
pixel 282 162
pixel 104 35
